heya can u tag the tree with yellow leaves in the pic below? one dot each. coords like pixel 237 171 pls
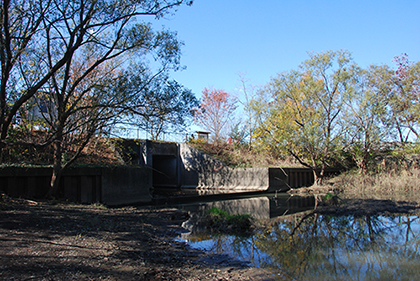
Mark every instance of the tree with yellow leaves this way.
pixel 304 108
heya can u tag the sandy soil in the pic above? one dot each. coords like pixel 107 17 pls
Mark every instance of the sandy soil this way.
pixel 58 241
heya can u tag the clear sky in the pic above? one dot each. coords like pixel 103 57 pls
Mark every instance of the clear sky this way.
pixel 262 38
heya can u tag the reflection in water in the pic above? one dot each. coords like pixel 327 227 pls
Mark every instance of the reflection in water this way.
pixel 323 247
pixel 317 247
pixel 261 208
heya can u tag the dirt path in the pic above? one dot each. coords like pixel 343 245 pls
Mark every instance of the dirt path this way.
pixel 87 242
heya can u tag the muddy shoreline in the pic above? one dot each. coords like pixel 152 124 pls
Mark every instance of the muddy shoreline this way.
pixel 63 241
pixel 49 241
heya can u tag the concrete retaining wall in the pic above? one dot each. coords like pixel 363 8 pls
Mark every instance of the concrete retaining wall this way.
pixel 182 166
pixel 283 179
pixel 201 171
pixel 162 165
pixel 111 186
pixel 126 185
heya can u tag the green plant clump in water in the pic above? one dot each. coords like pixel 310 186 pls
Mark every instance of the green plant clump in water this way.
pixel 328 196
pixel 219 221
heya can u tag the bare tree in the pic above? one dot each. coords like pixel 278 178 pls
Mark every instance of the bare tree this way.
pixel 247 99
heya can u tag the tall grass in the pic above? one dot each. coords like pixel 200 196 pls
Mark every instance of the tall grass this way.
pixel 391 183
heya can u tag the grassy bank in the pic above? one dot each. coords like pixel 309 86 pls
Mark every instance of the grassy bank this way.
pixel 394 183
pixel 391 176
pixel 239 156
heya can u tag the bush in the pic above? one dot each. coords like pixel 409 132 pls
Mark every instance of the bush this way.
pixel 219 221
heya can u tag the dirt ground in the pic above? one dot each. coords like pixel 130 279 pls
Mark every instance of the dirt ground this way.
pixel 63 241
pixel 59 241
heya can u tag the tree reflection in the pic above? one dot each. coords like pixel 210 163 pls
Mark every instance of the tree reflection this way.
pixel 320 247
pixel 315 246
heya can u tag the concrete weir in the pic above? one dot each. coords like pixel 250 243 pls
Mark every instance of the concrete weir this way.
pixel 182 166
pixel 154 165
pixel 201 171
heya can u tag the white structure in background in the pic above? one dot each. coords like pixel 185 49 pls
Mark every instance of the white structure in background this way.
pixel 42 111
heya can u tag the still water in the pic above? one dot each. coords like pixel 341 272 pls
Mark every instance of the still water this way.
pixel 295 244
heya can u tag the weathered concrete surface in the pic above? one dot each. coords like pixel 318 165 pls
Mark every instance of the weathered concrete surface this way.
pixel 201 171
pixel 161 157
pixel 158 165
pixel 182 166
pixel 283 179
pixel 126 185
pixel 111 186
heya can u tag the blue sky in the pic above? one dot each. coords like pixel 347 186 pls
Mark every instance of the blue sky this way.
pixel 263 38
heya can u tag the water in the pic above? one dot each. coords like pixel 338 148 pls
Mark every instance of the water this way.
pixel 296 244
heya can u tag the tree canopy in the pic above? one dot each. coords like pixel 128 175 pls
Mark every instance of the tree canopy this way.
pixel 158 105
pixel 304 109
pixel 71 53
pixel 330 112
pixel 41 40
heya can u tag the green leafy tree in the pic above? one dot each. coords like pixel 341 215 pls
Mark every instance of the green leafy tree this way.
pixel 238 134
pixel 407 103
pixel 44 42
pixel 364 112
pixel 399 90
pixel 304 108
pixel 159 105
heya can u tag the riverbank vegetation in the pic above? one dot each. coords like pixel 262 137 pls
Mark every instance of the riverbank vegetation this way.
pixel 397 184
pixel 330 113
pixel 390 174
pixel 239 156
pixel 219 221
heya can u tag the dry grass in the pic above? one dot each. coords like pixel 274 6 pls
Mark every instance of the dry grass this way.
pixel 96 153
pixel 238 156
pixel 400 184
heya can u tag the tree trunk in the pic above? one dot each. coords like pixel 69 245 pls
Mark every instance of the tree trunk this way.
pixel 55 180
pixel 57 168
pixel 318 174
pixel 364 163
pixel 317 177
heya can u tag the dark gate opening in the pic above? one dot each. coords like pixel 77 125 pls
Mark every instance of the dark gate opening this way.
pixel 165 171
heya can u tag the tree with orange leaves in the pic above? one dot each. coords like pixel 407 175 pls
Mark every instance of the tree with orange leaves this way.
pixel 215 112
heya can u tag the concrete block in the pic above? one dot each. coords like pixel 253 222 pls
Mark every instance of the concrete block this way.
pixel 86 190
pixel 71 188
pixel 126 185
